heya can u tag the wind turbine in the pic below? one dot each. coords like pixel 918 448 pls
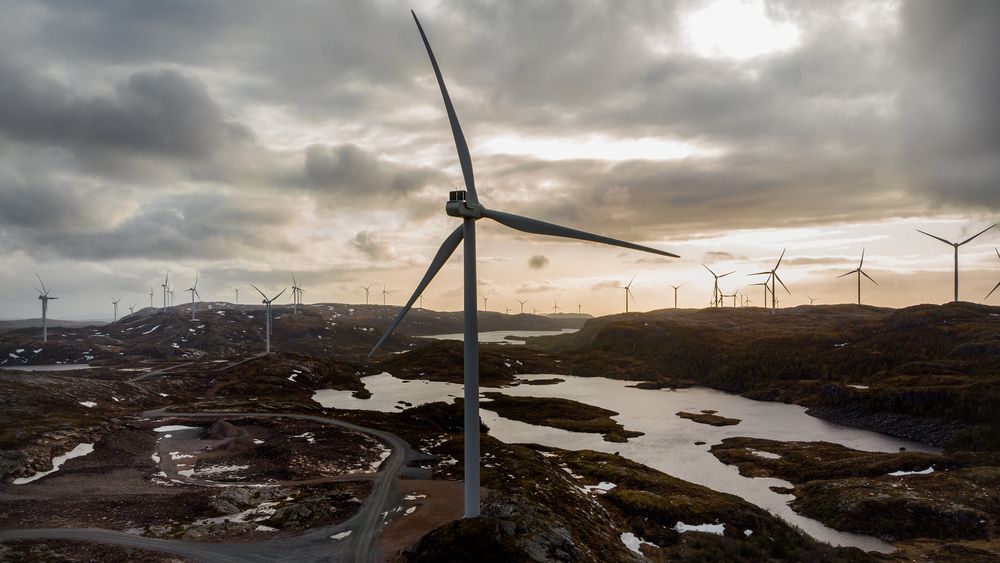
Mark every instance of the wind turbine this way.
pixel 715 286
pixel 296 295
pixel 773 276
pixel 43 294
pixel 194 291
pixel 465 204
pixel 998 283
pixel 628 292
pixel 522 304
pixel 579 308
pixel 506 309
pixel 131 309
pixel 385 291
pixel 165 285
pixel 956 245
pixel 813 299
pixel 860 273
pixel 115 303
pixel 170 294
pixel 555 307
pixel 766 288
pixel 676 287
pixel 485 301
pixel 267 315
pixel 367 290
pixel 237 296
pixel 150 297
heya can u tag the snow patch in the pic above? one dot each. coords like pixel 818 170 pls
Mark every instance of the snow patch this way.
pixel 175 428
pixel 57 462
pixel 717 529
pixel 927 471
pixel 88 404
pixel 632 542
pixel 152 329
pixel 340 535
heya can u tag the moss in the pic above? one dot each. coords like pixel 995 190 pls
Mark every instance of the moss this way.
pixel 559 413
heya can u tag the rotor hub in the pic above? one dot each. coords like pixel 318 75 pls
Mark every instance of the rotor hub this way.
pixel 459 206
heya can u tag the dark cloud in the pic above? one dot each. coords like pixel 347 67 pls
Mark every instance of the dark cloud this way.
pixel 719 256
pixel 371 245
pixel 607 284
pixel 350 172
pixel 536 287
pixel 948 105
pixel 538 262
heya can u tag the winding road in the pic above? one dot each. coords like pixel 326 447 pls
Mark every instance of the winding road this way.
pixel 315 545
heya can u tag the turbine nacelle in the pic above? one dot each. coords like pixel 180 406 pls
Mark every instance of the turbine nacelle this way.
pixel 459 206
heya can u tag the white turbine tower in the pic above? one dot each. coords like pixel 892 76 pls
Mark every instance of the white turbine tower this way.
pixel 237 296
pixel 860 273
pixel 956 245
pixel 385 291
pixel 773 276
pixel 267 316
pixel 522 304
pixel 131 309
pixel 367 289
pixel 296 295
pixel 114 302
pixel 194 291
pixel 676 287
pixel 43 294
pixel 150 297
pixel 465 206
pixel 166 289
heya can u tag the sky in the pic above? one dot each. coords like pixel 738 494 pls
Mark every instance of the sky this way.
pixel 244 141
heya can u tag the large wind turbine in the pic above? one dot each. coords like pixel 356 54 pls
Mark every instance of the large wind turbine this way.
pixel 860 273
pixel 773 277
pixel 555 307
pixel 367 290
pixel 194 291
pixel 998 283
pixel 114 301
pixel 676 287
pixel 267 316
pixel 715 287
pixel 464 204
pixel 43 294
pixel 628 292
pixel 956 245
pixel 166 282
pixel 522 304
pixel 385 291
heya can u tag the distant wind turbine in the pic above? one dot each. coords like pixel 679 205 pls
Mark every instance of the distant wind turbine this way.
pixel 131 309
pixel 956 245
pixel 237 296
pixel 506 309
pixel 114 301
pixel 150 297
pixel 812 299
pixel 194 291
pixel 367 290
pixel 385 291
pixel 165 285
pixel 485 302
pixel 998 283
pixel 555 307
pixel 43 294
pixel 860 273
pixel 676 287
pixel 716 298
pixel 522 304
pixel 465 204
pixel 773 277
pixel 296 295
pixel 766 288
pixel 579 308
pixel 628 292
pixel 267 315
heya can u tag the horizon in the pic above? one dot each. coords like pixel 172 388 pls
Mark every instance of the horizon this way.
pixel 168 138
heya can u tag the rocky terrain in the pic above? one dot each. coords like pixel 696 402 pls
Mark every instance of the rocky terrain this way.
pixel 928 372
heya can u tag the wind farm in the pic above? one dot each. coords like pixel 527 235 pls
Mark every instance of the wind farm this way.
pixel 453 410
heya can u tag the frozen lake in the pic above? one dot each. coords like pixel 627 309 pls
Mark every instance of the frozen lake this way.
pixel 48 367
pixel 503 336
pixel 669 441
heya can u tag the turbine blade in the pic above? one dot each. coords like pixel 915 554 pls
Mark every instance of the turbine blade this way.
pixel 977 234
pixel 630 282
pixel 948 242
pixel 780 257
pixel 998 251
pixel 456 128
pixel 862 263
pixel 727 273
pixel 782 283
pixel 279 294
pixel 258 291
pixel 443 254
pixel 991 291
pixel 44 291
pixel 869 277
pixel 847 274
pixel 759 273
pixel 710 270
pixel 537 227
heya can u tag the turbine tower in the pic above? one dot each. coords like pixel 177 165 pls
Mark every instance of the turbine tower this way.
pixel 367 290
pixel 813 299
pixel 860 273
pixel 165 284
pixel 485 302
pixel 555 307
pixel 131 309
pixel 716 297
pixel 773 277
pixel 628 292
pixel 956 245
pixel 998 283
pixel 267 316
pixel 579 308
pixel 296 295
pixel 194 291
pixel 43 294
pixel 766 289
pixel 114 302
pixel 385 291
pixel 150 297
pixel 464 204
pixel 676 287
pixel 237 296
pixel 522 304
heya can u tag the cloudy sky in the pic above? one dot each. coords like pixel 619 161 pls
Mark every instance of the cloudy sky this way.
pixel 247 140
